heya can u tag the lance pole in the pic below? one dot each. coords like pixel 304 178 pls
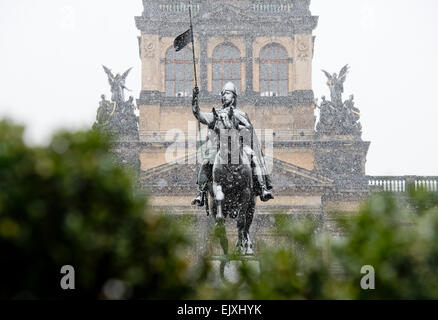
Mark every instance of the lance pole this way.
pixel 194 69
pixel 205 196
pixel 193 43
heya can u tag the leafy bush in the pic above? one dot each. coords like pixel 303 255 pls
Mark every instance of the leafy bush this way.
pixel 295 268
pixel 396 235
pixel 70 204
pixel 399 238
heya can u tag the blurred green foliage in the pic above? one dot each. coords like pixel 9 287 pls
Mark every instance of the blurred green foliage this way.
pixel 70 204
pixel 399 238
pixel 294 268
pixel 395 234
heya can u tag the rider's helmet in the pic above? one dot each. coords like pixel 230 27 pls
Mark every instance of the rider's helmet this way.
pixel 229 86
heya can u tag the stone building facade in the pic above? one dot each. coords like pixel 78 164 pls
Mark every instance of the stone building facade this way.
pixel 266 48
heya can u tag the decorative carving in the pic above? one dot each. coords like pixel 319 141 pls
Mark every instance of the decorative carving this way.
pixel 149 50
pixel 303 48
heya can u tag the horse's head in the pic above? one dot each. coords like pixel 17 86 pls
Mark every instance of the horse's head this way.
pixel 224 120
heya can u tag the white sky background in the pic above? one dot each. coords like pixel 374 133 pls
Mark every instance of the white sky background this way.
pixel 51 52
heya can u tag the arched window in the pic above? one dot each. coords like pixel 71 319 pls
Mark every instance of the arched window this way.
pixel 226 67
pixel 179 72
pixel 273 71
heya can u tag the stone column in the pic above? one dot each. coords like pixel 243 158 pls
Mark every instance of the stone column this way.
pixel 249 39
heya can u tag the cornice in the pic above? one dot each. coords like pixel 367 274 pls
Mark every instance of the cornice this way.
pixel 262 27
pixel 216 18
pixel 294 98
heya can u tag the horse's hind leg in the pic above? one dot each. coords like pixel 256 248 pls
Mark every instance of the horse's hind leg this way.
pixel 249 218
pixel 249 251
pixel 221 233
pixel 242 222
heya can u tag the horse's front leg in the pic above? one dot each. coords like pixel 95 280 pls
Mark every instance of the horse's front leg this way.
pixel 220 230
pixel 240 243
pixel 219 196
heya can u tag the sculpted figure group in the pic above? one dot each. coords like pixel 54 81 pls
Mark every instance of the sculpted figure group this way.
pixel 117 115
pixel 337 117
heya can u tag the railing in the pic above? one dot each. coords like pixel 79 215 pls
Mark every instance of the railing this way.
pixel 257 7
pixel 400 184
pixel 179 7
pixel 272 7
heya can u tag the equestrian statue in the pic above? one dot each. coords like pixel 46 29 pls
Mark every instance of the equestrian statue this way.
pixel 233 172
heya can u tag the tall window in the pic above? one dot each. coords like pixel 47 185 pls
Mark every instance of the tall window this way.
pixel 179 72
pixel 226 67
pixel 273 71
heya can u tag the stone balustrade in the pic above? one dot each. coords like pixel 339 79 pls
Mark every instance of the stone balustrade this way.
pixel 272 7
pixel 400 183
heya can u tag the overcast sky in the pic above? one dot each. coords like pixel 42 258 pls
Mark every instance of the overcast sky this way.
pixel 51 52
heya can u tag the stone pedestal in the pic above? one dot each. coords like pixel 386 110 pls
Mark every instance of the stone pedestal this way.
pixel 227 271
pixel 338 156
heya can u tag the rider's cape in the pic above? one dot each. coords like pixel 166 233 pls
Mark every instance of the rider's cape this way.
pixel 256 147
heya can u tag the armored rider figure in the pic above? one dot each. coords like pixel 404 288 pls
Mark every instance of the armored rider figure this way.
pixel 229 100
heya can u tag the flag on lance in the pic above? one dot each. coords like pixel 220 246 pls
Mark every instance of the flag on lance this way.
pixel 182 40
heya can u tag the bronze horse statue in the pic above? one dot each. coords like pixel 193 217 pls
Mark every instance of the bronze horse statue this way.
pixel 231 191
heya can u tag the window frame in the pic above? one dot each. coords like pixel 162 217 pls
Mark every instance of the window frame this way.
pixel 186 62
pixel 223 65
pixel 277 62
